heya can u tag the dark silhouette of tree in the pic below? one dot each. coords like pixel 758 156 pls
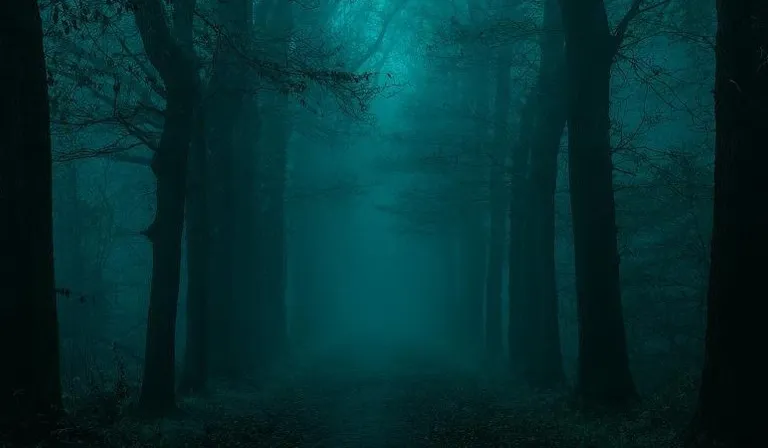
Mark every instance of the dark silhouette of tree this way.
pixel 30 390
pixel 591 47
pixel 732 379
pixel 497 198
pixel 195 369
pixel 178 69
pixel 540 356
pixel 223 103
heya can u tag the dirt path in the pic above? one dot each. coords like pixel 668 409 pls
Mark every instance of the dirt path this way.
pixel 411 402
pixel 366 415
pixel 387 404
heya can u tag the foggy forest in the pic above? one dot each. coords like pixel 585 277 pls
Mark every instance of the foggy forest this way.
pixel 383 223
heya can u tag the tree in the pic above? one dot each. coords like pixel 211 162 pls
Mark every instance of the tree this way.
pixel 496 189
pixel 274 137
pixel 198 232
pixel 29 381
pixel 127 95
pixel 591 47
pixel 732 377
pixel 540 356
pixel 223 105
pixel 178 70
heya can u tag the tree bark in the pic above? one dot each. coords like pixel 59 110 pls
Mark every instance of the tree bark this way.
pixel 276 132
pixel 178 69
pixel 30 389
pixel 604 377
pixel 165 233
pixel 223 108
pixel 267 219
pixel 543 360
pixel 518 288
pixel 733 381
pixel 195 373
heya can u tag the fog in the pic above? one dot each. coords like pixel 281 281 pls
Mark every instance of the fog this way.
pixel 383 291
pixel 369 223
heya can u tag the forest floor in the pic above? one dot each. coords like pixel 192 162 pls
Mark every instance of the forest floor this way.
pixel 337 403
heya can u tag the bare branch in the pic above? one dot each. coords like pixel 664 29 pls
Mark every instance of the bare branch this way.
pixel 635 10
pixel 376 45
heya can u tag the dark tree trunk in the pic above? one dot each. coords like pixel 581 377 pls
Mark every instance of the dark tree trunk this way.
pixel 305 278
pixel 604 377
pixel 473 257
pixel 177 68
pixel 248 272
pixel 733 383
pixel 518 256
pixel 543 360
pixel 195 373
pixel 473 212
pixel 494 265
pixel 223 109
pixel 30 388
pixel 165 233
pixel 276 131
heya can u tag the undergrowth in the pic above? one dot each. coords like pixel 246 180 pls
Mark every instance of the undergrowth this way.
pixel 430 412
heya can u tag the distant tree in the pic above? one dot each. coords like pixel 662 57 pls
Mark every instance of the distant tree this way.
pixel 497 197
pixel 123 95
pixel 277 124
pixel 29 379
pixel 223 105
pixel 733 383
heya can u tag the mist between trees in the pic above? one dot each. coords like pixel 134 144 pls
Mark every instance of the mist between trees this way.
pixel 365 208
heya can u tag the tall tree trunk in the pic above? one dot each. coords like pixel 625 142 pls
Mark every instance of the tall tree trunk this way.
pixel 249 275
pixel 276 128
pixel 494 265
pixel 305 278
pixel 733 383
pixel 543 360
pixel 518 288
pixel 178 70
pixel 603 368
pixel 29 381
pixel 224 106
pixel 195 373
pixel 473 211
pixel 222 310
pixel 276 132
pixel 165 232
pixel 195 368
pixel 472 252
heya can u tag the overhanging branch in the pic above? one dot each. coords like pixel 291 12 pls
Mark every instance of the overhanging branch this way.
pixel 635 10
